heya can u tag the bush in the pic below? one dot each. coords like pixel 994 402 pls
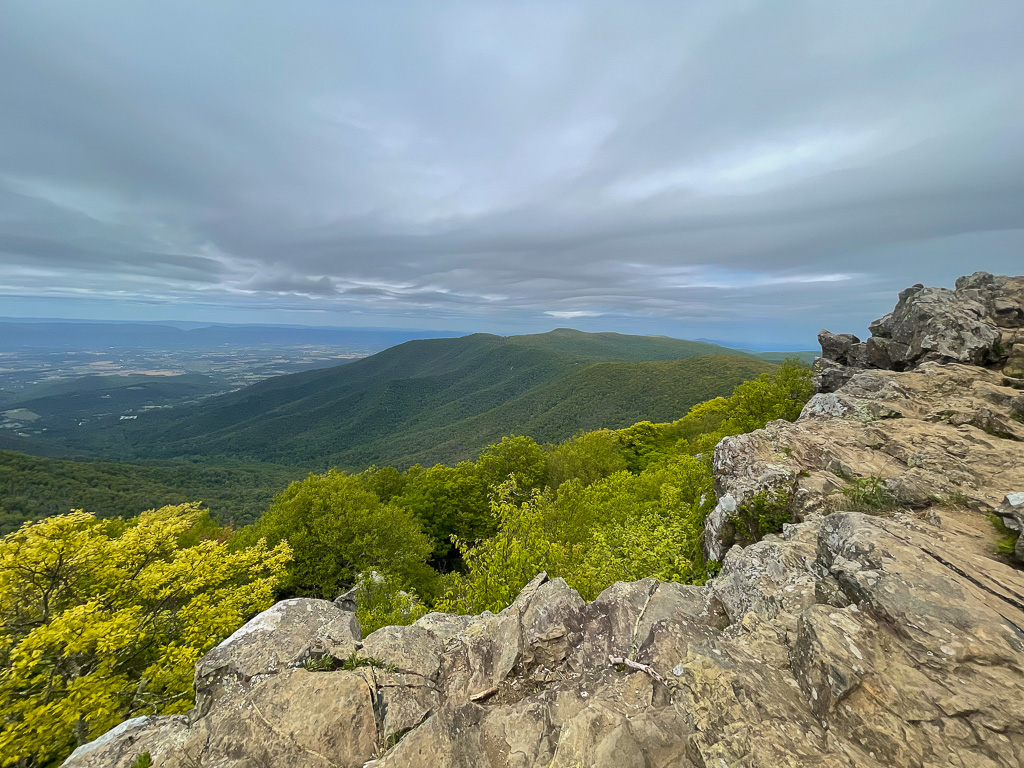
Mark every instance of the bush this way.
pixel 101 620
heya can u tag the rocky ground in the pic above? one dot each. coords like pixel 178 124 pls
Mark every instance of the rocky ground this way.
pixel 879 628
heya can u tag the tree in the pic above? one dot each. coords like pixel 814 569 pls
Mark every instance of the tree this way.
pixel 588 457
pixel 515 457
pixel 448 501
pixel 101 620
pixel 339 530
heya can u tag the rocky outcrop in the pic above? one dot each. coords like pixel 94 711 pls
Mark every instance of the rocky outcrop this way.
pixel 876 626
pixel 980 322
pixel 938 435
pixel 849 640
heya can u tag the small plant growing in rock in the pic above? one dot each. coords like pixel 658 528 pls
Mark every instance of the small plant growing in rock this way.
pixel 318 663
pixel 956 500
pixel 869 494
pixel 355 661
pixel 765 513
pixel 143 760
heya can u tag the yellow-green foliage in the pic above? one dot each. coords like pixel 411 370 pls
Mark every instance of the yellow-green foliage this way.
pixel 622 527
pixel 630 503
pixel 104 619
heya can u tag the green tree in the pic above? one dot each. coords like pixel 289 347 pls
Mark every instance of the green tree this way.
pixel 385 482
pixel 338 530
pixel 588 457
pixel 448 501
pixel 515 457
pixel 101 620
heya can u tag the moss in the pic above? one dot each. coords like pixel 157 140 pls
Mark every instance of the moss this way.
pixel 143 760
pixel 1006 540
pixel 328 663
pixel 1000 434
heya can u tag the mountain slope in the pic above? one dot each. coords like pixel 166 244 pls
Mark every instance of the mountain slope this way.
pixel 600 395
pixel 437 400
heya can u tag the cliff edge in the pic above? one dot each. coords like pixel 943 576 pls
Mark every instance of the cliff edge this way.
pixel 877 627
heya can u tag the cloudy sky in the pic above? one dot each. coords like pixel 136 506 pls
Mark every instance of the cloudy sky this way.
pixel 748 171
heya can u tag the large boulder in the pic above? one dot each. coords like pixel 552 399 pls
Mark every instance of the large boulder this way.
pixel 281 637
pixel 977 323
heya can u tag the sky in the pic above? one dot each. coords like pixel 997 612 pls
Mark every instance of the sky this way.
pixel 744 171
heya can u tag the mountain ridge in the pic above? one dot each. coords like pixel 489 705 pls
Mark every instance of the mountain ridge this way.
pixel 329 416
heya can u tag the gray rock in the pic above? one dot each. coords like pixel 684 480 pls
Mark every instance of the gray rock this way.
pixel 272 642
pixel 972 324
pixel 836 346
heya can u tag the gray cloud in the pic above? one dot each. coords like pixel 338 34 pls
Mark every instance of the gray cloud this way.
pixel 746 170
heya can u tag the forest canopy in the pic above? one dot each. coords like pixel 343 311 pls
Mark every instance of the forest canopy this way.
pixel 101 619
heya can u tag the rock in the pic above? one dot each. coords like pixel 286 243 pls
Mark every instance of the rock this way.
pixel 162 737
pixel 837 346
pixel 552 622
pixel 967 325
pixel 275 640
pixel 412 650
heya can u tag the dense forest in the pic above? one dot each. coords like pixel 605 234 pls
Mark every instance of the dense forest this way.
pixel 435 400
pixel 102 619
pixel 34 487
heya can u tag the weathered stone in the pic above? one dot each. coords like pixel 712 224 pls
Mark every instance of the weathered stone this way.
pixel 552 623
pixel 836 346
pixel 829 375
pixel 316 719
pixel 936 324
pixel 161 737
pixel 411 650
pixel 280 637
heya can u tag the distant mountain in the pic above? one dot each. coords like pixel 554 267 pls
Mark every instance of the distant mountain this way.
pixel 438 400
pixel 54 334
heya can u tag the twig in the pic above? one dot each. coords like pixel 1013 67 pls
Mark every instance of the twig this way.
pixel 640 667
pixel 484 695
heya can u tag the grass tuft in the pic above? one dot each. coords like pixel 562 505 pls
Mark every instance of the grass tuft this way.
pixel 869 494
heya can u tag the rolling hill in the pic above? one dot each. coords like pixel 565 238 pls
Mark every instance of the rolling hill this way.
pixel 439 400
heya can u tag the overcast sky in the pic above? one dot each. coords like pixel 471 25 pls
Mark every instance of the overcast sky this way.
pixel 746 171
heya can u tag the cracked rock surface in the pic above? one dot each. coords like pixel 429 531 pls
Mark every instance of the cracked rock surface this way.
pixel 849 640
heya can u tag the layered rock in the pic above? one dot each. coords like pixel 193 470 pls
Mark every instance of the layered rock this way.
pixel 980 322
pixel 878 627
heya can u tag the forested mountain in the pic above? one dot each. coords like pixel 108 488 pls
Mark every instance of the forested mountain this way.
pixel 439 400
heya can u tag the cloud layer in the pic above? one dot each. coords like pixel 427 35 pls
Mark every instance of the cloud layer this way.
pixel 737 170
